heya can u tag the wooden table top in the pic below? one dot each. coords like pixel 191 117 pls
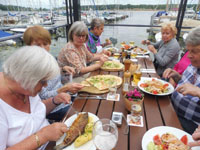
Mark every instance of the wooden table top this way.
pixel 157 111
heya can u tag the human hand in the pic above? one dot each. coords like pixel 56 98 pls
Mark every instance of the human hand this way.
pixel 144 42
pixel 152 49
pixel 52 132
pixel 62 98
pixel 103 59
pixel 74 87
pixel 108 53
pixel 196 138
pixel 188 88
pixel 69 69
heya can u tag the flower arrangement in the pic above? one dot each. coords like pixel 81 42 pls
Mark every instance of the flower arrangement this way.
pixel 134 95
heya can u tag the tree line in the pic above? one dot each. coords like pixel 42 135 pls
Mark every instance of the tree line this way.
pixel 98 7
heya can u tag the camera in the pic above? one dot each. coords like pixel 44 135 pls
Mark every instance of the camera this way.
pixel 117 118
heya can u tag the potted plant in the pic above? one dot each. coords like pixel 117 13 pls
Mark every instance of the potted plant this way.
pixel 133 97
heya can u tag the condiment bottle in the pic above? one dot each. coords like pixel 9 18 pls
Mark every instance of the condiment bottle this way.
pixel 126 83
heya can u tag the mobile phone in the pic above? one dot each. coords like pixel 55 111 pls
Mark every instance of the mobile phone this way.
pixel 117 118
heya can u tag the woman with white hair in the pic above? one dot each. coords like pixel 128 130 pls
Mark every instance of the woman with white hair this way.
pixel 75 53
pixel 166 51
pixel 22 113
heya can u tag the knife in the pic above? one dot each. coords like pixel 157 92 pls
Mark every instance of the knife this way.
pixel 91 97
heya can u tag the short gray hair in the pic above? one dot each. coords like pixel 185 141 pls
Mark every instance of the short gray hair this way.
pixel 193 37
pixel 78 28
pixel 29 65
pixel 96 22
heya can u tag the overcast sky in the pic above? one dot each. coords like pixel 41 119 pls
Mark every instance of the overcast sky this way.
pixel 59 3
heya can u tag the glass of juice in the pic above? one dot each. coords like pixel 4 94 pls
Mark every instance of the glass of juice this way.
pixel 137 76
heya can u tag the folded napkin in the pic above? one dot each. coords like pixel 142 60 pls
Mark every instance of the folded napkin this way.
pixel 142 56
pixel 143 70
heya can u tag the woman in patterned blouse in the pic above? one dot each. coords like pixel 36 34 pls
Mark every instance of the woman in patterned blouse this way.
pixel 75 53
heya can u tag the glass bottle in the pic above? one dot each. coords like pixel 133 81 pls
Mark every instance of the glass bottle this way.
pixel 126 83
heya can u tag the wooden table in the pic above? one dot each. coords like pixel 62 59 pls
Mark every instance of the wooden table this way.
pixel 157 111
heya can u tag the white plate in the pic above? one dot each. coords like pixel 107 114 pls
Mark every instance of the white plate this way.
pixel 87 146
pixel 170 87
pixel 148 136
pixel 147 52
pixel 114 49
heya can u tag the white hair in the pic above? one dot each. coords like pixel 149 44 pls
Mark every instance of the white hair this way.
pixel 30 64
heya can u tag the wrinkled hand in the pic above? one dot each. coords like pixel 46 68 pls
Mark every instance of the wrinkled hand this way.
pixel 108 53
pixel 53 132
pixel 188 88
pixel 152 49
pixel 74 87
pixel 62 98
pixel 168 73
pixel 69 69
pixel 145 42
pixel 108 42
pixel 103 59
pixel 196 138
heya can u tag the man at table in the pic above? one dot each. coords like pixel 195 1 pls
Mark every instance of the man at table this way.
pixel 186 97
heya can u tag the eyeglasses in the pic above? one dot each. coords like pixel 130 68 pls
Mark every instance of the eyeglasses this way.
pixel 81 36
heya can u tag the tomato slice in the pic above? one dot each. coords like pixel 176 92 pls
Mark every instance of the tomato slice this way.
pixel 157 140
pixel 144 85
pixel 165 146
pixel 165 85
pixel 154 92
pixel 184 139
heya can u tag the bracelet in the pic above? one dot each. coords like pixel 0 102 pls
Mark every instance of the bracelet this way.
pixel 37 140
pixel 54 102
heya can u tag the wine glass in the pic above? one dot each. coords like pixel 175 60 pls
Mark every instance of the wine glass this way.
pixel 105 134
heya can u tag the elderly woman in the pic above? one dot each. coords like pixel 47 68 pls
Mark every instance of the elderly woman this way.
pixel 22 113
pixel 94 44
pixel 37 35
pixel 76 54
pixel 166 51
pixel 186 98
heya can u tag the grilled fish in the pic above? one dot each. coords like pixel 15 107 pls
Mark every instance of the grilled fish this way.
pixel 76 129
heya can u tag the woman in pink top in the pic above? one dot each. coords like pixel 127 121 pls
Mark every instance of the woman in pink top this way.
pixel 182 64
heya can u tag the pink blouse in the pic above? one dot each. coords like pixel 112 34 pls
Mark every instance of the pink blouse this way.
pixel 182 64
pixel 74 57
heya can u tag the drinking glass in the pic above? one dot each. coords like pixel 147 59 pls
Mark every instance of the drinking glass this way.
pixel 136 112
pixel 131 43
pixel 123 43
pixel 105 134
pixel 112 92
pixel 137 76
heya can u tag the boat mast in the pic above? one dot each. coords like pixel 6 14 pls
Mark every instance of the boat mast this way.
pixel 167 6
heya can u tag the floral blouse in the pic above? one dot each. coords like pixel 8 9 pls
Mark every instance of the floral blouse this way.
pixel 74 57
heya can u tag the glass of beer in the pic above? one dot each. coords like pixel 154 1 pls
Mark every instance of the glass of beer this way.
pixel 127 63
pixel 116 55
pixel 131 43
pixel 137 76
pixel 123 43
pixel 133 55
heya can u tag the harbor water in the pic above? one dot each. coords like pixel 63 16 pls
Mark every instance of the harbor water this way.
pixel 136 34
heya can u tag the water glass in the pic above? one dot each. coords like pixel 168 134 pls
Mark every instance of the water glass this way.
pixel 105 134
pixel 112 92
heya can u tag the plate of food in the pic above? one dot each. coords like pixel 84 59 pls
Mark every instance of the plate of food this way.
pixel 112 49
pixel 73 140
pixel 112 66
pixel 140 51
pixel 166 138
pixel 155 86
